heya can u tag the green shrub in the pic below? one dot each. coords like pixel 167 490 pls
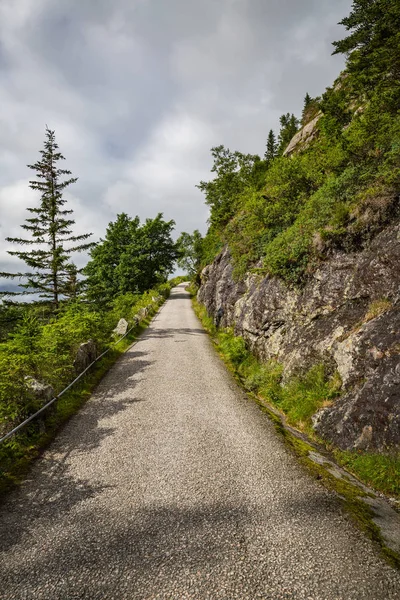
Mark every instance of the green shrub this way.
pixel 234 348
pixel 303 396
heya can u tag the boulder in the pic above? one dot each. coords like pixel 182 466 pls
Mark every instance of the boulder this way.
pixel 121 328
pixel 41 391
pixel 87 353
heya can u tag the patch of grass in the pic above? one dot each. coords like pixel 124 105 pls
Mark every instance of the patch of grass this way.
pixel 380 471
pixel 234 348
pixel 303 396
pixel 378 307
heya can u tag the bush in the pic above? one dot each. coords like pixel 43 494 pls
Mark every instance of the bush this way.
pixel 234 348
pixel 303 396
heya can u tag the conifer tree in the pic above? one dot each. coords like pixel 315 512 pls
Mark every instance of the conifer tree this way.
pixel 289 127
pixel 272 147
pixel 306 106
pixel 373 44
pixel 50 227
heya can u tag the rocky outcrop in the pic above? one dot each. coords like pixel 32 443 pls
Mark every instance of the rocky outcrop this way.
pixel 347 315
pixel 304 137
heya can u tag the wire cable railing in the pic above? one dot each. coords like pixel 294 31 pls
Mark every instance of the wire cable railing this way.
pixel 45 406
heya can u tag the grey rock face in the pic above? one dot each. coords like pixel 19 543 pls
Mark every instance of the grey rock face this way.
pixel 86 354
pixel 121 328
pixel 329 320
pixel 41 391
pixel 303 138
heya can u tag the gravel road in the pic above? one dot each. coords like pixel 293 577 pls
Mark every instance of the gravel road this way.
pixel 170 484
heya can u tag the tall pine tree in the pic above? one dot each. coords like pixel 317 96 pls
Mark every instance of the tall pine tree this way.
pixel 272 146
pixel 50 227
pixel 307 103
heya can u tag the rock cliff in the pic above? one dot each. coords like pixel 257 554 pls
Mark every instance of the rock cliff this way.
pixel 347 315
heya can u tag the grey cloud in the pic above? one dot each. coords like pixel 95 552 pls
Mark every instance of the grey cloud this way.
pixel 139 90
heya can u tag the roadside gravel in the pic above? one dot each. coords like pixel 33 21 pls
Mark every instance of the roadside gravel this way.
pixel 170 484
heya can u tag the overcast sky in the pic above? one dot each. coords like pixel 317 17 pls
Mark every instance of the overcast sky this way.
pixel 138 91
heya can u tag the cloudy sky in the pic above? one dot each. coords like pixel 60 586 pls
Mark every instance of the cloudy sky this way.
pixel 138 91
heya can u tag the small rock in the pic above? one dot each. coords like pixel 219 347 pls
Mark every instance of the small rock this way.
pixel 121 328
pixel 86 354
pixel 364 440
pixel 42 391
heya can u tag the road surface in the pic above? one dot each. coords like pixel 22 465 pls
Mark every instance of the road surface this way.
pixel 170 484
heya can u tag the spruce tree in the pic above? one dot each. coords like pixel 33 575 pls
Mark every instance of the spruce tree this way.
pixel 373 44
pixel 272 147
pixel 289 128
pixel 306 106
pixel 50 227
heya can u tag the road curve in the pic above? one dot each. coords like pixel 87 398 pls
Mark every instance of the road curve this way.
pixel 170 484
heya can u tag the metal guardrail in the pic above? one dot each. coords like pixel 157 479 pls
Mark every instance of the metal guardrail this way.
pixel 29 419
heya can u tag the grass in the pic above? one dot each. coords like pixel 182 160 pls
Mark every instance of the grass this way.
pixel 376 308
pixel 18 452
pixel 380 471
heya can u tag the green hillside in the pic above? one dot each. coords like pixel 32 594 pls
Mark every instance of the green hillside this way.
pixel 339 185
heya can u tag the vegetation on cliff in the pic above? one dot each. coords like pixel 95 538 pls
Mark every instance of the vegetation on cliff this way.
pixel 339 185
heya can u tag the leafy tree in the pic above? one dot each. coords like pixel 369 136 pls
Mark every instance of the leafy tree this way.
pixel 272 147
pixel 131 258
pixel 50 228
pixel 191 249
pixel 289 128
pixel 373 46
pixel 234 172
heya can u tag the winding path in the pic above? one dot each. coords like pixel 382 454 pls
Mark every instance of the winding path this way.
pixel 170 484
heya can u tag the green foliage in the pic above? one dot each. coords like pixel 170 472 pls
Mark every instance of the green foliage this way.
pixel 190 248
pixel 212 244
pixel 131 258
pixel 284 214
pixel 263 379
pixel 381 471
pixel 52 275
pixel 303 396
pixel 234 172
pixel 272 147
pixel 373 44
pixel 289 128
pixel 234 348
pixel 60 339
